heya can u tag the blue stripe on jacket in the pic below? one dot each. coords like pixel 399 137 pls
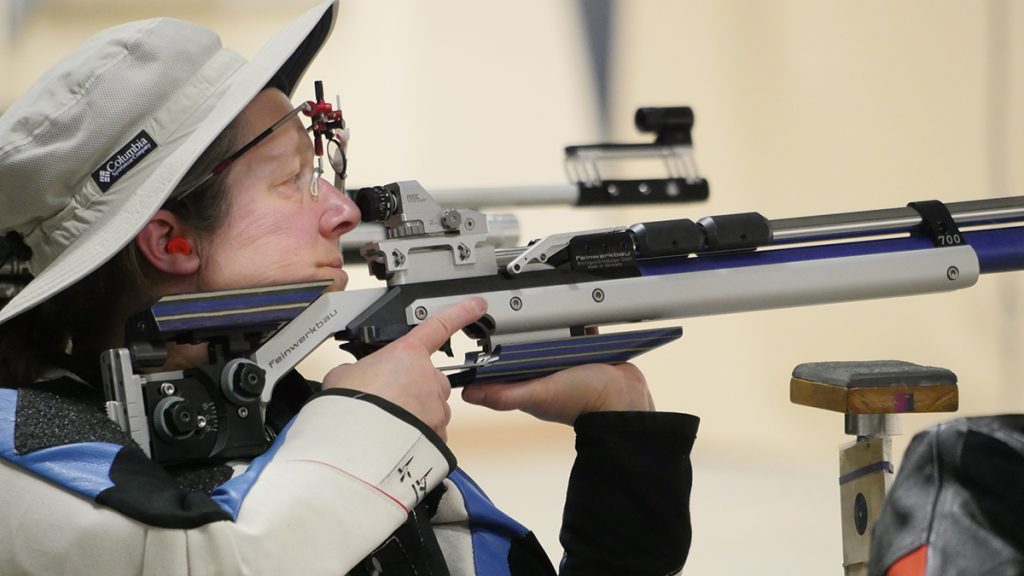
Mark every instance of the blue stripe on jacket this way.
pixel 491 529
pixel 82 468
pixel 230 494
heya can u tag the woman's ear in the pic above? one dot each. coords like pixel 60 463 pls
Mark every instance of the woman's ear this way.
pixel 168 245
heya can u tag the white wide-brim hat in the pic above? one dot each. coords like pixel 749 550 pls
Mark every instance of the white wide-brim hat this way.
pixel 98 144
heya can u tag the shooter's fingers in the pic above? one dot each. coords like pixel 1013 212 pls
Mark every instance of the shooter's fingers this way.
pixel 564 395
pixel 436 330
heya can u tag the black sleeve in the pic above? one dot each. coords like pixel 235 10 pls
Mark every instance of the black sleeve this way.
pixel 628 505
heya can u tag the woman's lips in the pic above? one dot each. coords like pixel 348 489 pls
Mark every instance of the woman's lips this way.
pixel 339 275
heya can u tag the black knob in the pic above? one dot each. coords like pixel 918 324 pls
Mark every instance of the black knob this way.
pixel 249 381
pixel 671 124
pixel 242 381
pixel 376 203
pixel 176 419
pixel 656 119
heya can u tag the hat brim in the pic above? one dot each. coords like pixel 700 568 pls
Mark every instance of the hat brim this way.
pixel 280 63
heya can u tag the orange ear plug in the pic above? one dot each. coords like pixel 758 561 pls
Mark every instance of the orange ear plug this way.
pixel 179 245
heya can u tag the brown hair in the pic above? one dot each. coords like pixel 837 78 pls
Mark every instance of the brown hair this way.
pixel 67 330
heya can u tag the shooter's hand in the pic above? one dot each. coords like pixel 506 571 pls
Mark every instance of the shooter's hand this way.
pixel 402 373
pixel 563 396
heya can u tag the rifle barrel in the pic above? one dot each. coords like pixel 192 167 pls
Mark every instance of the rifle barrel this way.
pixel 892 221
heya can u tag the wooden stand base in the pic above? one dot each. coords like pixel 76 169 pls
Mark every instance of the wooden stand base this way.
pixel 870 394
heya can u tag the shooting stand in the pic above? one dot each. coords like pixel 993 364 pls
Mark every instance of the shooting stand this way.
pixel 871 395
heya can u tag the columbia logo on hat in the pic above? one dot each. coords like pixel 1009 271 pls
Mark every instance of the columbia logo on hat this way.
pixel 123 160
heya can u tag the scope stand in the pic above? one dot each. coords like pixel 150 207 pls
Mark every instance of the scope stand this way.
pixel 871 394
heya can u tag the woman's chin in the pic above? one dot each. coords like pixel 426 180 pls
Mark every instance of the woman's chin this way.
pixel 339 279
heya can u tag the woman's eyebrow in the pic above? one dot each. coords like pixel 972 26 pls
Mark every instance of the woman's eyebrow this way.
pixel 279 149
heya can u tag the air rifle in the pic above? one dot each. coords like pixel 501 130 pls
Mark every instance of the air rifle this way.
pixel 542 299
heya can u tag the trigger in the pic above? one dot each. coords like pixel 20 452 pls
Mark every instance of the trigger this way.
pixel 481 329
pixel 447 348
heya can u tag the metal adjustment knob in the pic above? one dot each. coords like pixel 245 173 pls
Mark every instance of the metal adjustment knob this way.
pixel 249 380
pixel 175 418
pixel 451 219
pixel 242 381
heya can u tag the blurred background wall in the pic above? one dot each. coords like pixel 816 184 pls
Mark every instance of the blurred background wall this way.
pixel 802 108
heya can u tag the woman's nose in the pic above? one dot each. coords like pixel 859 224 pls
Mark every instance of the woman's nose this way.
pixel 340 214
